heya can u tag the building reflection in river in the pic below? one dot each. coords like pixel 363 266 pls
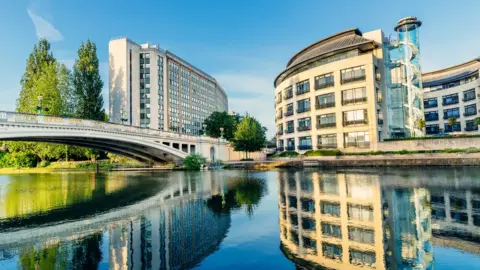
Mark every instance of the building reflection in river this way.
pixel 345 220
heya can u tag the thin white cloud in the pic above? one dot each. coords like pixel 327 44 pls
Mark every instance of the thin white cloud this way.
pixel 260 105
pixel 44 29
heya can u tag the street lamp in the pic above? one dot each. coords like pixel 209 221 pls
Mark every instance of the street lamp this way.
pixel 204 127
pixel 123 116
pixel 221 132
pixel 40 107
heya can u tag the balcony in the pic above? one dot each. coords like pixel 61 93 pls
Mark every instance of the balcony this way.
pixel 299 93
pixel 304 128
pixel 280 149
pixel 288 113
pixel 471 128
pixel 434 118
pixel 326 125
pixel 304 147
pixel 290 148
pixel 450 102
pixel 288 96
pixel 288 131
pixel 357 144
pixel 325 105
pixel 347 123
pixel 354 100
pixel 465 99
pixel 430 105
pixel 302 110
pixel 353 79
pixel 326 146
pixel 324 85
pixel 451 116
pixel 470 113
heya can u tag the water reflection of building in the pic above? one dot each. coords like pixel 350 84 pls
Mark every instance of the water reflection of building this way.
pixel 347 221
pixel 175 235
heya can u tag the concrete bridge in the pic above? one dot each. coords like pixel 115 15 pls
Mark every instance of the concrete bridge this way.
pixel 146 145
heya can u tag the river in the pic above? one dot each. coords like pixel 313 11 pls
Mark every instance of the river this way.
pixel 373 218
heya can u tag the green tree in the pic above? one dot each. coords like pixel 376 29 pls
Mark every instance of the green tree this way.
pixel 452 121
pixel 67 92
pixel 194 162
pixel 250 136
pixel 476 121
pixel 223 120
pixel 88 84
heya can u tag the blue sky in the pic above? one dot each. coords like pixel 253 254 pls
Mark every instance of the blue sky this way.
pixel 244 44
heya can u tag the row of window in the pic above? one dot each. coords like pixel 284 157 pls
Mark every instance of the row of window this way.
pixel 351 139
pixel 435 128
pixel 449 99
pixel 469 110
pixel 324 81
pixel 452 84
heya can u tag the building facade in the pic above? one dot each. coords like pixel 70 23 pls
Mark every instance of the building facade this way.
pixel 153 88
pixel 452 92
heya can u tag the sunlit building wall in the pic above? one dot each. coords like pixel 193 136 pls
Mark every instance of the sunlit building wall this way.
pixel 154 88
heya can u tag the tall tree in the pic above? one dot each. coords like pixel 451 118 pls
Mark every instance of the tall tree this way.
pixel 88 84
pixel 67 92
pixel 223 120
pixel 250 136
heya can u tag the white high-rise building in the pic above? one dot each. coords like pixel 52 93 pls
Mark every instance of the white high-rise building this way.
pixel 153 88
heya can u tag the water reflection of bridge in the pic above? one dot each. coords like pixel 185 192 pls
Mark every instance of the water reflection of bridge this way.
pixel 174 229
pixel 352 219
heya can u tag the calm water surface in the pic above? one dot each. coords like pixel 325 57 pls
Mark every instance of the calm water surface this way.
pixel 305 219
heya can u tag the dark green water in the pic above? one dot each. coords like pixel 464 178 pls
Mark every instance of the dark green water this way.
pixel 414 218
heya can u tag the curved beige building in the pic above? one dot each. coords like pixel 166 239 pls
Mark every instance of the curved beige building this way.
pixel 330 94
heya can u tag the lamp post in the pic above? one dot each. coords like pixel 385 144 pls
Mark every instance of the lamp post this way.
pixel 123 116
pixel 204 127
pixel 40 107
pixel 221 132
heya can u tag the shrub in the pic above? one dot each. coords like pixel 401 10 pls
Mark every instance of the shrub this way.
pixel 246 159
pixel 312 153
pixel 287 154
pixel 472 150
pixel 43 164
pixel 194 162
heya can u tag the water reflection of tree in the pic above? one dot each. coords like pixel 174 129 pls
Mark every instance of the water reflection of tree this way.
pixel 246 192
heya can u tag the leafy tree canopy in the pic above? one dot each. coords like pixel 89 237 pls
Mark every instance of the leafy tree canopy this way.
pixel 250 135
pixel 223 120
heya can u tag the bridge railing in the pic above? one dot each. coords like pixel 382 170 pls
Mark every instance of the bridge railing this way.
pixel 24 118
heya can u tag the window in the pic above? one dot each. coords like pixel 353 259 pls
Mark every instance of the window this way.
pixel 326 120
pixel 305 143
pixel 353 74
pixel 290 127
pixel 280 145
pixel 288 92
pixel 470 125
pixel 289 110
pixel 432 129
pixel 358 257
pixel 329 184
pixel 361 235
pixel 310 244
pixel 280 129
pixel 450 99
pixel 279 97
pixel 470 110
pixel 357 139
pixel 327 141
pixel 290 144
pixel 324 81
pixel 469 95
pixel 456 127
pixel 360 212
pixel 354 118
pixel 354 96
pixel 280 114
pixel 430 103
pixel 325 101
pixel 294 237
pixel 308 224
pixel 332 251
pixel 303 105
pixel 451 113
pixel 331 230
pixel 308 205
pixel 330 208
pixel 303 87
pixel 431 116
pixel 304 124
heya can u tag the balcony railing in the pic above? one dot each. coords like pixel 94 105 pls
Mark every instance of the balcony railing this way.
pixel 353 79
pixel 301 92
pixel 431 118
pixel 428 105
pixel 290 148
pixel 280 149
pixel 470 113
pixel 288 131
pixel 304 147
pixel 468 98
pixel 326 146
pixel 304 128
pixel 473 128
pixel 451 116
pixel 450 102
pixel 354 100
pixel 326 125
pixel 347 123
pixel 302 110
pixel 324 85
pixel 288 96
pixel 288 113
pixel 357 144
pixel 325 105
pixel 280 132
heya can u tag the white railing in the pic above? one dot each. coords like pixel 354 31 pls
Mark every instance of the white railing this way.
pixel 23 118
